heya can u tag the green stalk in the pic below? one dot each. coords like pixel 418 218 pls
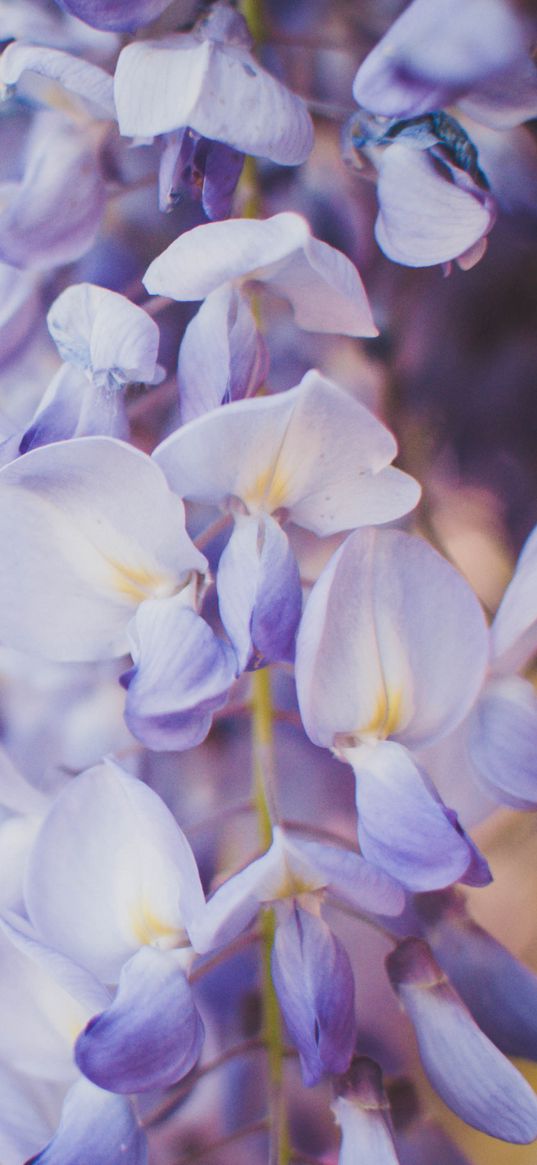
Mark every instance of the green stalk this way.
pixel 263 793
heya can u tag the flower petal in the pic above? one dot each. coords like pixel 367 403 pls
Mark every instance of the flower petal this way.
pixel 469 1073
pixel 514 630
pixel 78 76
pixel 362 1114
pixel 503 742
pixel 313 979
pixel 151 1035
pixel 100 1119
pixel 402 825
pixel 182 673
pixel 222 356
pixel 425 218
pixel 133 878
pixel 111 339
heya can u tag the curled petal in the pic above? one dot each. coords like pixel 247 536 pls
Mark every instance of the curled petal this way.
pixel 321 284
pixel 469 1073
pixel 151 1035
pixel 182 673
pixel 208 170
pixel 314 982
pixel 206 84
pixel 425 217
pixel 100 1119
pixel 352 879
pixel 111 339
pixel 78 76
pixel 71 407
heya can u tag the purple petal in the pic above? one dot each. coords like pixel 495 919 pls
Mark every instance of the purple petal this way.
pixel 314 982
pixel 402 825
pixel 425 217
pixel 259 592
pixel 151 1035
pixel 514 630
pixel 96 1118
pixel 499 991
pixel 503 742
pixel 208 170
pixel 469 1073
pixel 438 50
pixel 71 407
pixel 363 1115
pixel 115 15
pixel 181 675
pixel 222 356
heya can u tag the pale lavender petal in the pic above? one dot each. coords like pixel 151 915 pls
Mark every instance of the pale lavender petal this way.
pixel 314 982
pixel 402 824
pixel 371 639
pixel 53 215
pixel 222 356
pixel 500 992
pixel 132 879
pixel 111 339
pixel 78 76
pixel 100 1119
pixel 151 1035
pixel 322 285
pixel 503 742
pixel 182 673
pixel 438 50
pixel 514 630
pixel 469 1073
pixel 313 452
pixel 71 407
pixel 193 80
pixel 363 1116
pixel 89 530
pixel 19 307
pixel 259 592
pixel 425 218
pixel 354 880
pixel 115 14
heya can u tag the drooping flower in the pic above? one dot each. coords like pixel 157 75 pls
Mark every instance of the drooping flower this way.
pixel 391 654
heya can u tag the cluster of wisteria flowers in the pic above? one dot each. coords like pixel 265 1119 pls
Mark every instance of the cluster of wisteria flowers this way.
pixel 219 613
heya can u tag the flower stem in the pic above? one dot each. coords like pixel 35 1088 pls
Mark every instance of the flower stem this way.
pixel 263 792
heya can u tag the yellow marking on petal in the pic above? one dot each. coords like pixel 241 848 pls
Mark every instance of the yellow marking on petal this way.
pixel 386 718
pixel 268 492
pixel 150 930
pixel 139 583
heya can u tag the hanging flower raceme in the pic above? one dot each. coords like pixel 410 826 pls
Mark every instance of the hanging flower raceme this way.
pixel 434 199
pixel 310 967
pixel 466 1069
pixel 391 654
pixel 313 455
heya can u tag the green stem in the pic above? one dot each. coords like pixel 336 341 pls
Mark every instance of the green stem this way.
pixel 263 792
